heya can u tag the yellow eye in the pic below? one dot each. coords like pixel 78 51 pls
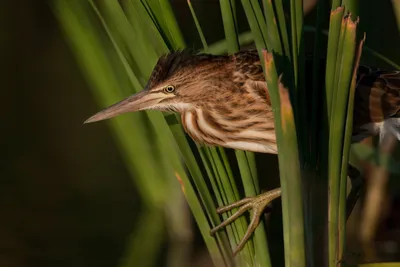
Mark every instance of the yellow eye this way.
pixel 169 89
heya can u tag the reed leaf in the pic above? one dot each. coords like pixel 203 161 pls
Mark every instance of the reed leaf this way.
pixel 285 128
pixel 341 63
pixel 229 22
pixel 257 24
pixel 198 27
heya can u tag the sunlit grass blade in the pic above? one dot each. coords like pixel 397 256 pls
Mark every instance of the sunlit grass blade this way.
pixel 292 207
pixel 140 57
pixel 140 19
pixel 198 27
pixel 273 36
pixel 344 64
pixel 342 212
pixel 334 33
pixel 336 4
pixel 257 23
pixel 229 192
pixel 165 19
pixel 219 193
pixel 229 22
pixel 260 241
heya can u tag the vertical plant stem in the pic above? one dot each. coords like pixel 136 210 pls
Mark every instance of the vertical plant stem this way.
pixel 292 207
pixel 345 59
pixel 347 142
pixel 198 27
pixel 229 22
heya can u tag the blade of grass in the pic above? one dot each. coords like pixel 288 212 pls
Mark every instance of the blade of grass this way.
pixel 336 4
pixel 344 61
pixel 285 128
pixel 166 21
pixel 260 240
pixel 201 186
pixel 230 194
pixel 139 18
pixel 333 39
pixel 283 31
pixel 198 27
pixel 345 157
pixel 273 36
pixel 257 24
pixel 228 19
pixel 251 160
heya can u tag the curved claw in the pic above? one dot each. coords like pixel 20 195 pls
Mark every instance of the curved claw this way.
pixel 255 220
pixel 257 204
pixel 233 217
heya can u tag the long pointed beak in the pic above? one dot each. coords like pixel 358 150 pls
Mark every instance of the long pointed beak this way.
pixel 140 101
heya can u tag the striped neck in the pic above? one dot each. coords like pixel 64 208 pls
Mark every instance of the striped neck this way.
pixel 253 131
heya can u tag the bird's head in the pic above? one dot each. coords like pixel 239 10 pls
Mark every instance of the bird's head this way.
pixel 180 81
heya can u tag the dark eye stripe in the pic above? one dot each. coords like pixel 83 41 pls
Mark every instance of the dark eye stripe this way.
pixel 158 91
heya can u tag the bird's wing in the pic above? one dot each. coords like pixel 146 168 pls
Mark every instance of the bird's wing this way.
pixel 248 63
pixel 377 102
pixel 377 95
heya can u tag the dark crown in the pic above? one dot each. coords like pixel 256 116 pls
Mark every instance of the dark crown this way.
pixel 176 61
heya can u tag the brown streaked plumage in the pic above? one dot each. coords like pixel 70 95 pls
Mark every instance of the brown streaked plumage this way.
pixel 376 103
pixel 224 101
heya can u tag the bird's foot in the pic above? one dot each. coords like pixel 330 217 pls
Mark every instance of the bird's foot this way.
pixel 257 204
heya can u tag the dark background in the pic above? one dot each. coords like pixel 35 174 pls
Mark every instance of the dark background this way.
pixel 66 198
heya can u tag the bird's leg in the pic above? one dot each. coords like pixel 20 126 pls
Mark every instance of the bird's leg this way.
pixel 256 204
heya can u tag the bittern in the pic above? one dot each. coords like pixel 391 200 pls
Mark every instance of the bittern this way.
pixel 224 101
